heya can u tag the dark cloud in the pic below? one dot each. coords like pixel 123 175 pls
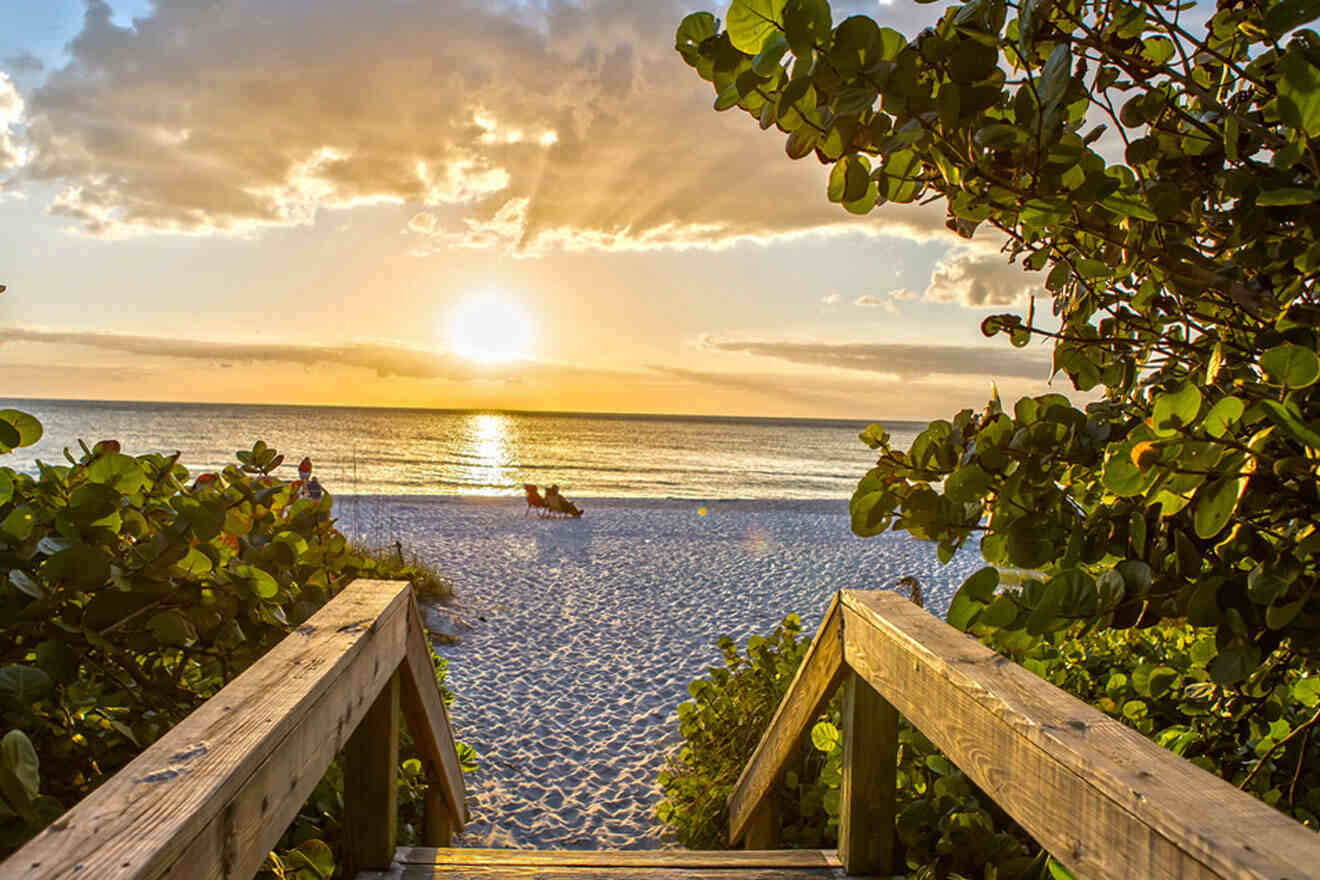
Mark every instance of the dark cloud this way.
pixel 899 359
pixel 505 124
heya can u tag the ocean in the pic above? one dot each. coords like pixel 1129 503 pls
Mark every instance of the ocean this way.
pixel 367 451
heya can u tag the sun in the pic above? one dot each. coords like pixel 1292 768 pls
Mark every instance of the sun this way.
pixel 491 330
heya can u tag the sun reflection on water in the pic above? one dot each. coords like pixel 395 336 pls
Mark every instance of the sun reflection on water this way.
pixel 485 455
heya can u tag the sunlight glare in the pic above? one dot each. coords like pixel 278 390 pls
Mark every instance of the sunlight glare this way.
pixel 490 330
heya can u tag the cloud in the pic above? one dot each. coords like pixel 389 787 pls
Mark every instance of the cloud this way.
pixel 832 300
pixel 23 62
pixel 12 154
pixel 907 361
pixel 976 279
pixel 384 360
pixel 503 125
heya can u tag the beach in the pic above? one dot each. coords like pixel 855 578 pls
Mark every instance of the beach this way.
pixel 578 638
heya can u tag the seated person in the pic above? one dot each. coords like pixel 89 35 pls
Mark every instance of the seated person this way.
pixel 559 504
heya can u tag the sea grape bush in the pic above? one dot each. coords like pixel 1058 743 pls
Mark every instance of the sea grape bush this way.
pixel 1182 281
pixel 1153 679
pixel 721 725
pixel 130 592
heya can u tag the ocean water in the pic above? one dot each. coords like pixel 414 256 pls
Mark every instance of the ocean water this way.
pixel 364 451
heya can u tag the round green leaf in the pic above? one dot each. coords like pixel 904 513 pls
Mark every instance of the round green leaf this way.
pixel 825 736
pixel 1290 365
pixel 1223 415
pixel 172 628
pixel 751 23
pixel 23 684
pixel 25 584
pixel 123 472
pixel 1176 409
pixel 1215 503
pixel 29 429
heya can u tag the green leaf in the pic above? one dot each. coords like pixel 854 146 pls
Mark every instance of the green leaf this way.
pixel 28 428
pixel 1128 205
pixel 972 597
pixel 807 23
pixel 1215 503
pixel 1307 691
pixel 1299 92
pixel 172 628
pixel 9 436
pixel 1288 196
pixel 1290 14
pixel 23 684
pixel 1285 418
pixel 1234 664
pixel 767 60
pixel 19 757
pixel 692 32
pixel 1223 415
pixel 17 526
pixel 1290 365
pixel 825 736
pixel 1177 409
pixel 122 472
pixel 25 584
pixel 751 23
pixel 262 584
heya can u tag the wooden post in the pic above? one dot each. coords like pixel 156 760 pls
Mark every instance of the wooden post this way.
pixel 437 822
pixel 763 827
pixel 371 761
pixel 870 774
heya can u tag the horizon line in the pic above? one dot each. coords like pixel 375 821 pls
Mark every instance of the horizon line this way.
pixel 455 410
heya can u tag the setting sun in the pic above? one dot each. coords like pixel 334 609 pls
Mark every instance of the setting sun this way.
pixel 490 329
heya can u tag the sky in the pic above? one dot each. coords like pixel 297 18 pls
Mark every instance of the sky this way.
pixel 292 201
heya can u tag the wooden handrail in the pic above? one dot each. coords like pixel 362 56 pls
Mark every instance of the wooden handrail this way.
pixel 1102 799
pixel 214 795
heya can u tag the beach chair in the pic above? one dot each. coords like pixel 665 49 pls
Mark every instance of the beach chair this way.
pixel 534 500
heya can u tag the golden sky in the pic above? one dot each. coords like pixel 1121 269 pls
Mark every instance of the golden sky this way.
pixel 290 202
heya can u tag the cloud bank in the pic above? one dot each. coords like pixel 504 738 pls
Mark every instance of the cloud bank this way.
pixel 504 124
pixel 898 359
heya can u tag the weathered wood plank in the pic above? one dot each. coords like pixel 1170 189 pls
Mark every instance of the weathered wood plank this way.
pixel 211 797
pixel 763 828
pixel 635 858
pixel 820 672
pixel 428 721
pixel 867 794
pixel 492 872
pixel 437 820
pixel 1104 800
pixel 371 762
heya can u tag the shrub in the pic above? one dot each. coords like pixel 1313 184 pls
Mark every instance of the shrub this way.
pixel 130 593
pixel 1154 680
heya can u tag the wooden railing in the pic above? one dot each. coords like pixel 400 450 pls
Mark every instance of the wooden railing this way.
pixel 211 798
pixel 1102 799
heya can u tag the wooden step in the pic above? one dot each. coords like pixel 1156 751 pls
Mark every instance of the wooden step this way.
pixel 422 863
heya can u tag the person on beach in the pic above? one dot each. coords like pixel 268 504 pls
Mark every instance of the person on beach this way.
pixel 559 504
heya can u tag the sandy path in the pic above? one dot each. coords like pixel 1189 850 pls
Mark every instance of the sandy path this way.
pixel 585 635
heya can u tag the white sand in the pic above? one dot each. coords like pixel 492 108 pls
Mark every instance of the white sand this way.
pixel 585 634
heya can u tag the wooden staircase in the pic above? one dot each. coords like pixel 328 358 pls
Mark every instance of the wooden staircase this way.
pixel 216 793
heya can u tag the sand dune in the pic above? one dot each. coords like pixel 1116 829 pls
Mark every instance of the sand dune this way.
pixel 584 635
